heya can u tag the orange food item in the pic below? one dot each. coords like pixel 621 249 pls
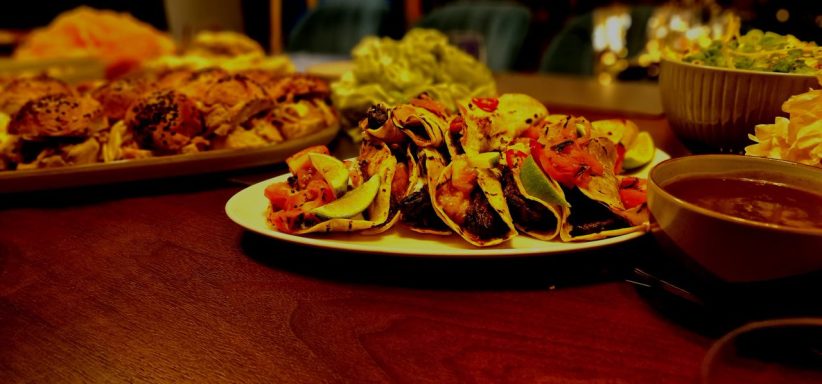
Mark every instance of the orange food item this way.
pixel 399 184
pixel 292 201
pixel 454 203
pixel 632 192
pixel 119 39
pixel 568 163
pixel 456 196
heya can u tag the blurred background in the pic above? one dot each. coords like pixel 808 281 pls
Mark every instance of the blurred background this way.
pixel 571 37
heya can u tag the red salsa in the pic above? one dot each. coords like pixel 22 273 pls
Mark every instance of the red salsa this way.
pixel 749 199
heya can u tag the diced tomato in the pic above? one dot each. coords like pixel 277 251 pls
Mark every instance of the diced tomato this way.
pixel 400 181
pixel 487 104
pixel 457 125
pixel 293 202
pixel 296 201
pixel 462 175
pixel 560 168
pixel 280 222
pixel 514 157
pixel 454 202
pixel 532 132
pixel 620 158
pixel 290 221
pixel 319 189
pixel 536 150
pixel 632 192
pixel 569 164
pixel 277 194
pixel 632 198
pixel 629 182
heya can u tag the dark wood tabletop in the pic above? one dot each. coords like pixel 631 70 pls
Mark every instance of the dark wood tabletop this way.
pixel 151 282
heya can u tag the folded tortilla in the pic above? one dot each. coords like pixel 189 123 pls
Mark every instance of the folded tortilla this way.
pixel 596 209
pixel 537 218
pixel 487 220
pixel 374 159
pixel 387 132
pixel 417 209
pixel 423 127
pixel 494 130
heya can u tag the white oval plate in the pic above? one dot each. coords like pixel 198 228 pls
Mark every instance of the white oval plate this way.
pixel 247 208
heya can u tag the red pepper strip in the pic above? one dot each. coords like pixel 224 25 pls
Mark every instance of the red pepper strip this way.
pixel 513 157
pixel 620 158
pixel 457 125
pixel 487 104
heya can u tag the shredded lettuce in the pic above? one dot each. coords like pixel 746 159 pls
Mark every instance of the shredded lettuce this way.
pixel 393 72
pixel 761 51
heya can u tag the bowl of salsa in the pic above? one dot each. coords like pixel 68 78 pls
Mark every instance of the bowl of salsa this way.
pixel 743 219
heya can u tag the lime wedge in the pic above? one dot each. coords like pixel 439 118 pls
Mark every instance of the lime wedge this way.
pixel 613 129
pixel 631 130
pixel 352 203
pixel 332 170
pixel 537 185
pixel 484 160
pixel 640 152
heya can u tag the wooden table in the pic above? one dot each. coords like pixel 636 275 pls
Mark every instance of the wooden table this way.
pixel 151 282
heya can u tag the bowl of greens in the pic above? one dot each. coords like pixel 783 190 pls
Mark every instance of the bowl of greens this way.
pixel 715 96
pixel 391 72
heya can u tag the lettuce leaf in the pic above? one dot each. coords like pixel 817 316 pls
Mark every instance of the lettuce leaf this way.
pixel 393 72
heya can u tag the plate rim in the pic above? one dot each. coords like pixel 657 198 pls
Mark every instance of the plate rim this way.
pixel 336 244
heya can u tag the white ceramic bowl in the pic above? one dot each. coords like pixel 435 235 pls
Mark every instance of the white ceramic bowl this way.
pixel 731 248
pixel 712 110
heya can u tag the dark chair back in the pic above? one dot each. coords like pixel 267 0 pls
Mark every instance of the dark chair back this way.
pixel 334 27
pixel 503 27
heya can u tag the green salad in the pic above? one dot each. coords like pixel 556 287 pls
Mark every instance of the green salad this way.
pixel 392 72
pixel 761 51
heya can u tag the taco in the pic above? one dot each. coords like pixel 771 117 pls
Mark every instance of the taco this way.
pixel 585 168
pixel 536 202
pixel 416 208
pixel 378 125
pixel 405 173
pixel 470 201
pixel 597 211
pixel 294 203
pixel 424 127
pixel 491 124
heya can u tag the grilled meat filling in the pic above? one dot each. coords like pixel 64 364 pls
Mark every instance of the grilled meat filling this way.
pixel 527 213
pixel 418 129
pixel 481 219
pixel 418 212
pixel 589 216
pixel 377 116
